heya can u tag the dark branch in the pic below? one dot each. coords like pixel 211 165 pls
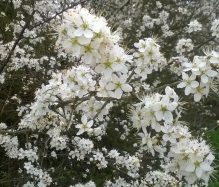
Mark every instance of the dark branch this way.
pixel 57 14
pixel 5 62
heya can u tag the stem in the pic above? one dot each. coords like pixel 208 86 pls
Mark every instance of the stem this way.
pixel 101 109
pixel 16 43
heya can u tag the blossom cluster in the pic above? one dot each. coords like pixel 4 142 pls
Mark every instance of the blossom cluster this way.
pixel 194 26
pixel 155 109
pixel 148 58
pixel 215 28
pixel 188 158
pixel 87 36
pixel 42 177
pixel 192 159
pixel 184 45
pixel 199 76
pixel 154 178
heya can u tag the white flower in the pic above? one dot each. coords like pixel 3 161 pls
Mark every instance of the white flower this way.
pixel 189 83
pixel 72 45
pixel 117 86
pixel 113 61
pixel 200 91
pixel 201 168
pixel 168 133
pixel 83 22
pixel 171 94
pixel 149 142
pixel 163 110
pixel 85 126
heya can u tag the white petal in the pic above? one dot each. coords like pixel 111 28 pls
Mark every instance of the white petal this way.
pixel 118 93
pixel 211 73
pixel 204 78
pixel 76 50
pixel 126 88
pixel 188 90
pixel 194 84
pixel 78 126
pixel 198 172
pixel 172 106
pixel 81 131
pixel 107 73
pixel 83 40
pixel 87 58
pixel 84 119
pixel 214 60
pixel 159 115
pixel 168 90
pixel 192 77
pixel 184 76
pixel 210 157
pixel 78 32
pixel 191 178
pixel 190 167
pixel 77 20
pixel 110 86
pixel 88 34
pixel 206 166
pixel 90 123
pixel 197 97
pixel 115 79
pixel 157 106
pixel 99 68
pixel 181 85
pixel 156 127
pixel 168 116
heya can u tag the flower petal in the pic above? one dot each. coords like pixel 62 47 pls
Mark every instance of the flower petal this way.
pixel 204 78
pixel 126 88
pixel 181 85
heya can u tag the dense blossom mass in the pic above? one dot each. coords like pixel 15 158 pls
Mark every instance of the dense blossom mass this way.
pixel 95 86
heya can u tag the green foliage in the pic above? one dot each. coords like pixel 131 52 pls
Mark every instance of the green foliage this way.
pixel 214 139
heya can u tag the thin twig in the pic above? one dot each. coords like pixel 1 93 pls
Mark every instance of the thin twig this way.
pixel 16 43
pixel 103 106
pixel 15 132
pixel 202 44
pixel 57 14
